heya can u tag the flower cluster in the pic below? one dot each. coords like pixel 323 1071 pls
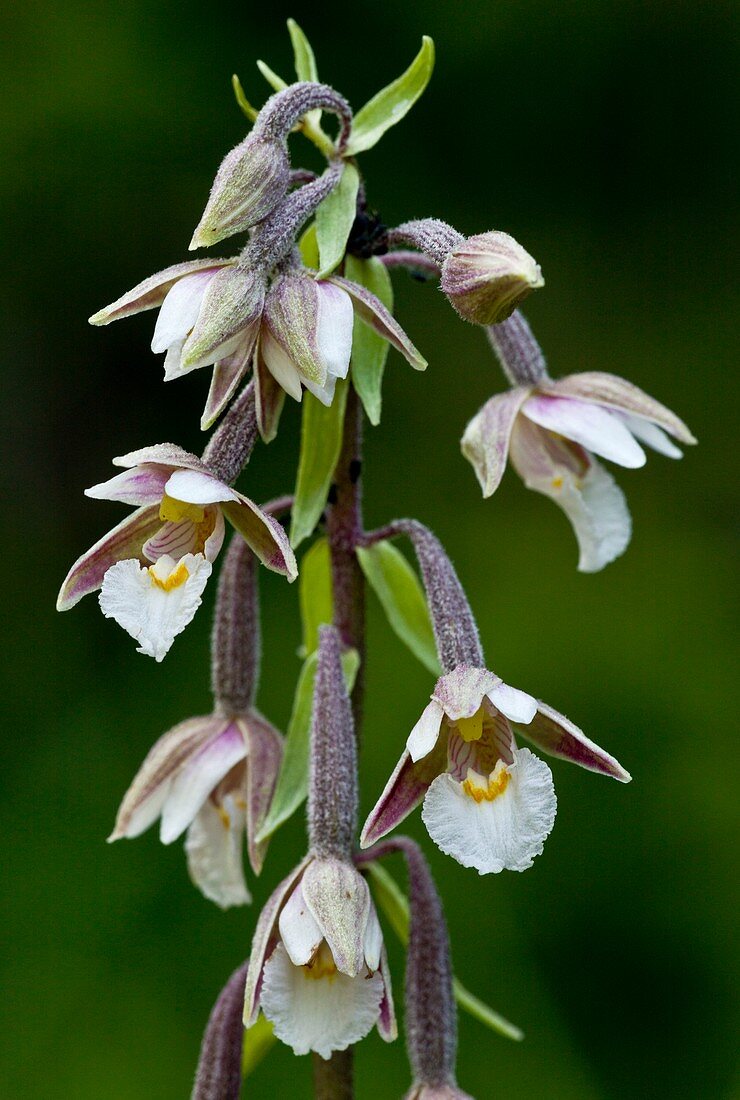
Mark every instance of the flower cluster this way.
pixel 304 308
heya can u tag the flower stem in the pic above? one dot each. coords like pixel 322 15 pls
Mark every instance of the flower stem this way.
pixel 333 1078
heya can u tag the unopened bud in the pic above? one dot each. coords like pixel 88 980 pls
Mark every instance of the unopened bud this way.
pixel 252 180
pixel 487 276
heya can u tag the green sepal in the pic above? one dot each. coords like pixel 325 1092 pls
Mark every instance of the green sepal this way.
pixel 259 1039
pixel 402 598
pixel 395 905
pixel 334 218
pixel 292 783
pixel 250 111
pixel 321 442
pixel 391 104
pixel 315 594
pixel 369 349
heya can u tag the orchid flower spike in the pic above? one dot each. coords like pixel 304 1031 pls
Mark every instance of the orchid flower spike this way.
pixel 318 968
pixel 152 568
pixel 487 803
pixel 552 431
pixel 215 776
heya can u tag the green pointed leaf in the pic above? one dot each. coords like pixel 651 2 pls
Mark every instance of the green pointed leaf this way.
pixel 250 111
pixel 395 905
pixel 402 598
pixel 334 218
pixel 276 82
pixel 391 104
pixel 305 62
pixel 369 349
pixel 321 442
pixel 309 247
pixel 292 784
pixel 315 594
pixel 259 1039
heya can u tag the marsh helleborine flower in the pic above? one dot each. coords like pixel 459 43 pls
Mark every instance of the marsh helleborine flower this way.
pixel 152 568
pixel 214 777
pixel 487 803
pixel 552 430
pixel 297 333
pixel 318 968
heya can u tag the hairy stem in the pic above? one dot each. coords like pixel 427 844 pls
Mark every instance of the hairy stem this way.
pixel 333 1078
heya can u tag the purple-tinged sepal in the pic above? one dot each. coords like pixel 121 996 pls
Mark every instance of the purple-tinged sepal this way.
pixel 151 292
pixel 486 277
pixel 251 180
pixel 557 736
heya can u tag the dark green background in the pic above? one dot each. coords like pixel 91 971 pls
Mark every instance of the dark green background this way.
pixel 599 134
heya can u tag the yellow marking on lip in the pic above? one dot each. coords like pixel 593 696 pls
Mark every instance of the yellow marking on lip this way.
pixel 471 729
pixel 322 965
pixel 177 577
pixel 481 789
pixel 176 510
pixel 557 483
pixel 223 813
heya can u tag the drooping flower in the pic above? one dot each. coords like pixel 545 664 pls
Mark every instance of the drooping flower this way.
pixel 487 803
pixel 214 777
pixel 552 431
pixel 297 333
pixel 318 967
pixel 152 568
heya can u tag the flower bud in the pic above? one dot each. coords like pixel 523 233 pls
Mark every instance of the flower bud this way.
pixel 487 276
pixel 252 180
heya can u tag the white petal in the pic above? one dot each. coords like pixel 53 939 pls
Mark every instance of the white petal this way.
pixel 373 946
pixel 173 361
pixel 299 931
pixel 425 733
pixel 213 847
pixel 321 1014
pixel 506 832
pixel 515 704
pixel 201 775
pixel 152 615
pixel 193 487
pixel 594 427
pixel 279 364
pixel 325 393
pixel 334 328
pixel 651 434
pixel 179 311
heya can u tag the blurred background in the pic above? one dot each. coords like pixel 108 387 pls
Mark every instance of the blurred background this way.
pixel 600 135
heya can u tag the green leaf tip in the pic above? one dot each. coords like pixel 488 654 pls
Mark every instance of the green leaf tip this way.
pixel 305 61
pixel 250 111
pixel 334 219
pixel 393 102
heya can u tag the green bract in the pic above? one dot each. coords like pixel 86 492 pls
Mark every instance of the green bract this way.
pixel 315 594
pixel 402 598
pixel 321 442
pixel 369 349
pixel 334 220
pixel 391 104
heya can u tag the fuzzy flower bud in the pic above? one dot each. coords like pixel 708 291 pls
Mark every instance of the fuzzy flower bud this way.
pixel 252 180
pixel 487 276
pixel 218 1076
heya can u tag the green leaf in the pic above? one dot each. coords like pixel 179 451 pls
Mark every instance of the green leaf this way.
pixel 391 104
pixel 259 1040
pixel 334 218
pixel 292 784
pixel 305 62
pixel 402 598
pixel 395 905
pixel 276 82
pixel 309 247
pixel 369 349
pixel 315 594
pixel 250 111
pixel 321 442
